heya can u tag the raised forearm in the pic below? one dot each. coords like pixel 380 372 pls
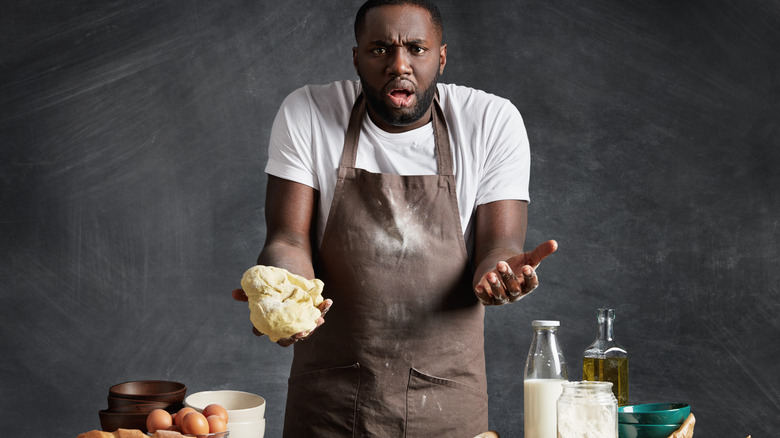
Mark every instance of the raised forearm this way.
pixel 289 215
pixel 292 255
pixel 499 234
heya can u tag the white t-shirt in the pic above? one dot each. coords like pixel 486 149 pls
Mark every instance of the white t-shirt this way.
pixel 487 136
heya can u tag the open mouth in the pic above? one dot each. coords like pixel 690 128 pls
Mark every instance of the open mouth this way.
pixel 401 97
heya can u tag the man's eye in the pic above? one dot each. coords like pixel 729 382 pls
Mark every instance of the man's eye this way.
pixel 418 50
pixel 379 51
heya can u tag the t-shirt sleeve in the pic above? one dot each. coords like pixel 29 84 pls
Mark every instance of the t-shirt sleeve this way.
pixel 290 147
pixel 507 165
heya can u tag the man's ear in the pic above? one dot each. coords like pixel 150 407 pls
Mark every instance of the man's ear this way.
pixel 442 58
pixel 354 59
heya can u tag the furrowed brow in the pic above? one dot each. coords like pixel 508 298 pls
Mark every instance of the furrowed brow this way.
pixel 381 43
pixel 388 43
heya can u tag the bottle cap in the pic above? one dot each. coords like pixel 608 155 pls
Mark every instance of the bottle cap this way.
pixel 545 323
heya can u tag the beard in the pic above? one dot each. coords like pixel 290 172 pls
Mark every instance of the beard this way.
pixel 396 116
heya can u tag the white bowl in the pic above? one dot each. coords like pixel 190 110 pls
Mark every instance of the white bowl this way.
pixel 247 429
pixel 246 411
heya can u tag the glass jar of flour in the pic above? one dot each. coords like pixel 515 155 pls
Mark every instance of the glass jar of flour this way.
pixel 587 409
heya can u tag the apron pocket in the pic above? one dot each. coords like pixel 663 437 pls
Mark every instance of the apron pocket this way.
pixel 322 402
pixel 450 408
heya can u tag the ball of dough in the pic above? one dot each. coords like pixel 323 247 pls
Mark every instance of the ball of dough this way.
pixel 281 303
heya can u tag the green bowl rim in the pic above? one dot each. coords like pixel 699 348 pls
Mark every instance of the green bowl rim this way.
pixel 676 407
pixel 641 425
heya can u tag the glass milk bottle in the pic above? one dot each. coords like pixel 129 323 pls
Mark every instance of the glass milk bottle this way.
pixel 545 372
pixel 587 410
pixel 606 361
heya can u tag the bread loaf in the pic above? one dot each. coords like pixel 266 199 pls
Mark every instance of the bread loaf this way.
pixel 119 433
pixel 129 433
pixel 686 430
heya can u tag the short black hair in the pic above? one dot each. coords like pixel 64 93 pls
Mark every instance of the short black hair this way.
pixel 360 18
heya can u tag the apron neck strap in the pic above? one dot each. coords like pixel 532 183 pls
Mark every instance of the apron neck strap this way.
pixel 440 135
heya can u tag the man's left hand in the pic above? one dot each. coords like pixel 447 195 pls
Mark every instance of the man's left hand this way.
pixel 501 285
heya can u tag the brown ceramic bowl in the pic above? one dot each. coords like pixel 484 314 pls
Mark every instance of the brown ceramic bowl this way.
pixel 125 417
pixel 115 402
pixel 137 408
pixel 150 391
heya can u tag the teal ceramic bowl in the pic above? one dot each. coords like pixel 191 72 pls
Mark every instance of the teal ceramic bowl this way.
pixel 654 413
pixel 626 430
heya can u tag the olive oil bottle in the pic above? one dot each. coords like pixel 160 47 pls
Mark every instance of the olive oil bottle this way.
pixel 606 361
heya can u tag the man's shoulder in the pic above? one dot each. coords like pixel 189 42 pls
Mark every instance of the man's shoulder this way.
pixel 328 103
pixel 338 90
pixel 472 101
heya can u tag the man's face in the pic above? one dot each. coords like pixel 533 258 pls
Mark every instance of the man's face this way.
pixel 399 58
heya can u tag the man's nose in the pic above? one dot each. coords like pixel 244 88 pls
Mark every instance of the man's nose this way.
pixel 399 64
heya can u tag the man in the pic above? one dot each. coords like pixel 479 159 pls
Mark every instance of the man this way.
pixel 408 199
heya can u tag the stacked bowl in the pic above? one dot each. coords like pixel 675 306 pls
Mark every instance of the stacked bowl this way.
pixel 129 403
pixel 246 411
pixel 653 420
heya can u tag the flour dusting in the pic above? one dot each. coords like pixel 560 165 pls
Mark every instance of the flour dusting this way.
pixel 404 232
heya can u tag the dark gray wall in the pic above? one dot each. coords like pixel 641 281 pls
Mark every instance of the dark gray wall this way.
pixel 133 139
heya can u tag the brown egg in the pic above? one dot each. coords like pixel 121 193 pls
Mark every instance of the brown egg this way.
pixel 179 417
pixel 195 423
pixel 215 409
pixel 158 419
pixel 216 424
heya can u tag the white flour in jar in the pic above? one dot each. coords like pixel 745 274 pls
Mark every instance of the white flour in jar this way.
pixel 587 414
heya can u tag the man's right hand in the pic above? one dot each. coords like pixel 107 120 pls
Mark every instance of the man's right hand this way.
pixel 240 295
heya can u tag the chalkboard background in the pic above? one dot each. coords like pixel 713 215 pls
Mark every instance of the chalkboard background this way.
pixel 133 143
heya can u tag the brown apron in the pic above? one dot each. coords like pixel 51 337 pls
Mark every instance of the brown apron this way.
pixel 401 353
